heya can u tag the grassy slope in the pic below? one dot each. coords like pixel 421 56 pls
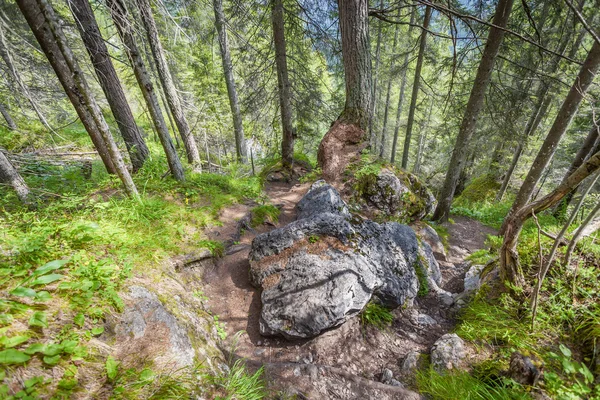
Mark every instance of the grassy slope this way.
pixel 566 330
pixel 48 317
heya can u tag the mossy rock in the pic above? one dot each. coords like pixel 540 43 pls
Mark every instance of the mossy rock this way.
pixel 392 193
pixel 481 189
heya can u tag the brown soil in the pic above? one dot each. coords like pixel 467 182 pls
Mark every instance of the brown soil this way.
pixel 343 363
pixel 465 236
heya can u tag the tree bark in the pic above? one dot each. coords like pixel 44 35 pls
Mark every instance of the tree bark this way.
pixel 43 34
pixel 402 87
pixel 120 17
pixel 10 176
pixel 373 138
pixel 388 93
pixel 345 139
pixel 510 269
pixel 8 60
pixel 473 109
pixel 561 123
pixel 9 121
pixel 354 29
pixel 109 81
pixel 164 74
pixel 415 90
pixel 288 133
pixel 240 144
pixel 86 96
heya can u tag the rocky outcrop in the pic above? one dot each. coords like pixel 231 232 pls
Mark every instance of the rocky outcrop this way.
pixel 173 331
pixel 428 235
pixel 448 352
pixel 322 198
pixel 394 193
pixel 323 268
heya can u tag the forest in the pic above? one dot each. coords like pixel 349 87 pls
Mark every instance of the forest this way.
pixel 299 199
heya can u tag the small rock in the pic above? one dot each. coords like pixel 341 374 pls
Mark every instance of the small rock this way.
pixel 473 279
pixel 313 372
pixel 258 352
pixel 424 319
pixel 447 352
pixel 395 382
pixel 297 371
pixel 523 370
pixel 411 361
pixel 386 376
pixel 445 298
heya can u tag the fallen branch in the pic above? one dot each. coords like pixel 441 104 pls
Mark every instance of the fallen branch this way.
pixel 561 242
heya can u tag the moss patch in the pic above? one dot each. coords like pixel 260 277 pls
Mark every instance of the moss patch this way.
pixel 481 189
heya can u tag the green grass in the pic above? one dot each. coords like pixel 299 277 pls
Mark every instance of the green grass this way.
pixel 52 309
pixel 238 383
pixel 376 315
pixel 265 213
pixel 461 385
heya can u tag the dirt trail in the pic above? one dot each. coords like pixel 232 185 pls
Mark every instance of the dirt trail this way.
pixel 309 367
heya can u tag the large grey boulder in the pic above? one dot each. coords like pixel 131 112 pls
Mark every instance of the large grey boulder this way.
pixel 323 268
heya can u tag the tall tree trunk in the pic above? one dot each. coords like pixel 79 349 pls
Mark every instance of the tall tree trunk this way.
pixel 422 136
pixel 41 30
pixel 109 81
pixel 154 77
pixel 10 176
pixel 590 145
pixel 402 87
pixel 474 106
pixel 9 121
pixel 83 90
pixel 510 269
pixel 388 93
pixel 345 138
pixel 288 134
pixel 8 60
pixel 354 29
pixel 240 144
pixel 373 137
pixel 415 90
pixel 561 123
pixel 532 124
pixel 120 17
pixel 173 99
pixel 543 102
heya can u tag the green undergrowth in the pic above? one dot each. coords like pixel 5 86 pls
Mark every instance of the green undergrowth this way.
pixel 64 263
pixel 237 383
pixel 462 385
pixel 566 334
pixel 376 315
pixel 265 213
